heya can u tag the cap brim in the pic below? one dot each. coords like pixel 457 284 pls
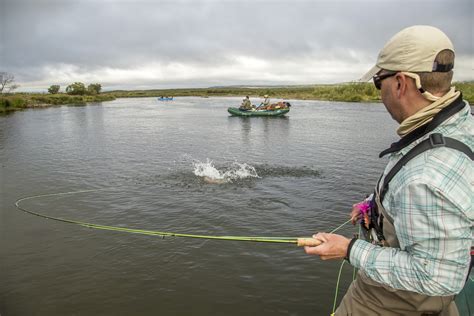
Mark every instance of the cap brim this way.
pixel 369 74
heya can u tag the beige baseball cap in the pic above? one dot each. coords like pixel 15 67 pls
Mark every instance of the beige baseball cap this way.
pixel 413 49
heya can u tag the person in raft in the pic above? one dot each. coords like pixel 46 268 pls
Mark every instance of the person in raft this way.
pixel 246 104
pixel 418 252
pixel 265 104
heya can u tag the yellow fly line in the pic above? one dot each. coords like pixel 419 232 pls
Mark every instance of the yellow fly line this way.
pixel 299 241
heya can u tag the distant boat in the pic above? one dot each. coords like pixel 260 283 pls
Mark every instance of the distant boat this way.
pixel 239 112
pixel 165 99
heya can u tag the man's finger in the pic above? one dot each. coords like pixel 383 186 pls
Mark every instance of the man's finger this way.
pixel 312 250
pixel 320 236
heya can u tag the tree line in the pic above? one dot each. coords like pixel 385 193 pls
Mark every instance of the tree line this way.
pixel 78 88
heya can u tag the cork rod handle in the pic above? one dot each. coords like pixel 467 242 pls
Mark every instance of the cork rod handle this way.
pixel 309 242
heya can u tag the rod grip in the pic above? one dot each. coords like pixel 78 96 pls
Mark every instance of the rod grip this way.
pixel 308 242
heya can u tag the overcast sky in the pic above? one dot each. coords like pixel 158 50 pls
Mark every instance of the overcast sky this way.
pixel 148 44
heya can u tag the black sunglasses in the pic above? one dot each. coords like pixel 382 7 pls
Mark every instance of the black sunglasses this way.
pixel 378 79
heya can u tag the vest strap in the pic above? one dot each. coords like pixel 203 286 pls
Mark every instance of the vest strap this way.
pixel 435 140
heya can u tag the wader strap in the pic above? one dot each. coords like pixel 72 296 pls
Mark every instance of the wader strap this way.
pixel 435 140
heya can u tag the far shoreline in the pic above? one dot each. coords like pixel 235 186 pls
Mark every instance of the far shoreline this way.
pixel 351 92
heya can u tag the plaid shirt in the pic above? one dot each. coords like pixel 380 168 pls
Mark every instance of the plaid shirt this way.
pixel 431 201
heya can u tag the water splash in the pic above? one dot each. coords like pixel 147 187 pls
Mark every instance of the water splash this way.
pixel 236 171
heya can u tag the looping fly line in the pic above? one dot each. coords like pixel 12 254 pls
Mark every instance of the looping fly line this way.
pixel 300 241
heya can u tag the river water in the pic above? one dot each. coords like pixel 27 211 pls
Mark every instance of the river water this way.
pixel 148 162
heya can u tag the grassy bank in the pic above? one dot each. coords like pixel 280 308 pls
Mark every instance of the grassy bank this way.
pixel 353 92
pixel 467 89
pixel 20 101
pixel 344 92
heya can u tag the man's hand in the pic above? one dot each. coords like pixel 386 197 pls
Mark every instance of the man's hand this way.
pixel 333 247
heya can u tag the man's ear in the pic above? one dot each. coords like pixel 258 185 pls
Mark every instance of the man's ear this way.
pixel 401 84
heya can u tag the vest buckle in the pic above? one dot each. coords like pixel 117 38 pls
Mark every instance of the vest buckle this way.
pixel 437 140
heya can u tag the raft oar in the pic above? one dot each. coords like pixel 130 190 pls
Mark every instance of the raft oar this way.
pixel 299 241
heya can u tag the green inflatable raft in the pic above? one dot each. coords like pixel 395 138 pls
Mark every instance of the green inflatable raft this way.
pixel 238 112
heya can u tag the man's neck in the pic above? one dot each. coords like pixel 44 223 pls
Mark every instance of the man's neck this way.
pixel 414 106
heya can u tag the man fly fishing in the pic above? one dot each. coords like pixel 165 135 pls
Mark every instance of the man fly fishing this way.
pixel 419 221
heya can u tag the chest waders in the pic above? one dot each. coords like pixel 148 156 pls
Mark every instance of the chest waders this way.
pixel 368 297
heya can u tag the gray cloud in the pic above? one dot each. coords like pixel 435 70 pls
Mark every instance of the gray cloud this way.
pixel 302 41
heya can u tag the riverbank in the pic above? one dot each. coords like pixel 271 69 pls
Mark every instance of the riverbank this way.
pixel 352 92
pixel 20 101
pixel 342 92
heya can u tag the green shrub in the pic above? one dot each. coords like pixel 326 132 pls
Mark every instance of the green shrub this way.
pixel 13 102
pixel 76 88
